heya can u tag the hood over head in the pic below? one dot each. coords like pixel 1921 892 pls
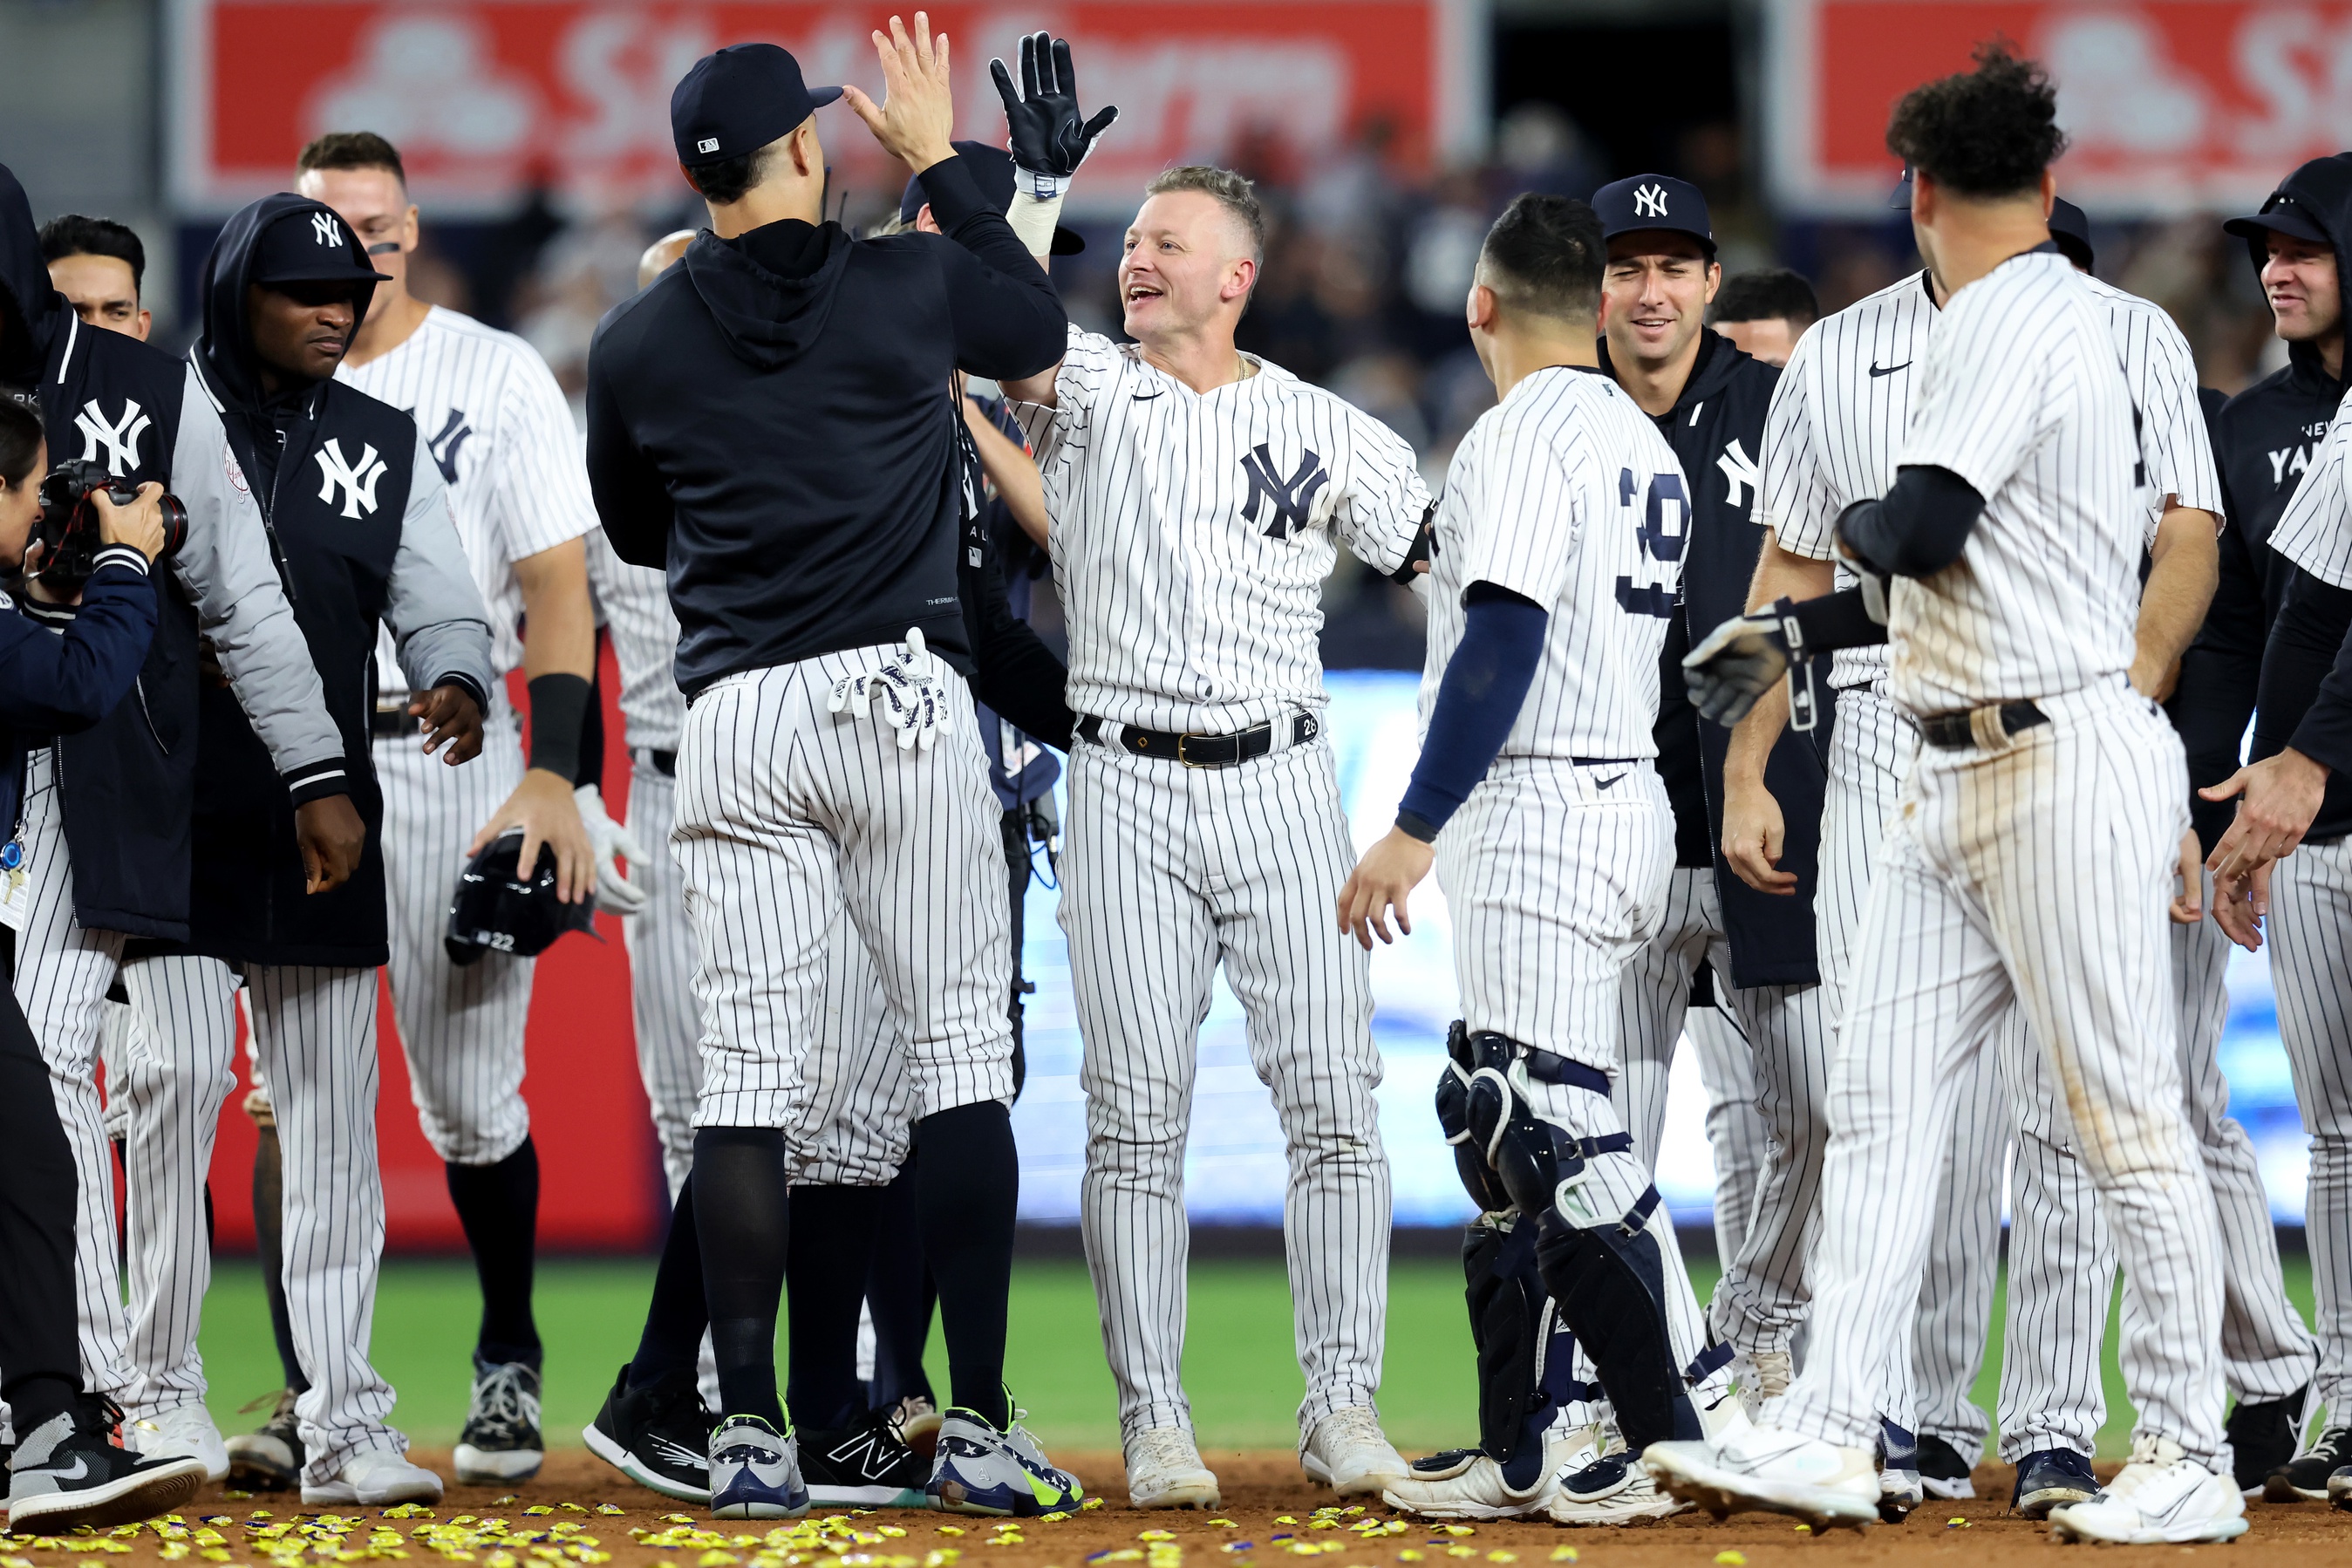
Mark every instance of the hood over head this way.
pixel 2314 203
pixel 31 304
pixel 226 346
pixel 769 320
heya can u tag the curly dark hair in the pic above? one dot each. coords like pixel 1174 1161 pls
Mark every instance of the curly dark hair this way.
pixel 1987 132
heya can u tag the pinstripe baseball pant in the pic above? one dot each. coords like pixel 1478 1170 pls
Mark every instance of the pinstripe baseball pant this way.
pixel 2311 971
pixel 661 971
pixel 2031 869
pixel 1556 877
pixel 63 971
pixel 1736 1133
pixel 1171 871
pixel 1761 1298
pixel 787 814
pixel 461 1028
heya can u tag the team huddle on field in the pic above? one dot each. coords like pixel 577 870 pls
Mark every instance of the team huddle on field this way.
pixel 1869 713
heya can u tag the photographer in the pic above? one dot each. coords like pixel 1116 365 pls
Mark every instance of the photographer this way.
pixel 66 1472
pixel 108 823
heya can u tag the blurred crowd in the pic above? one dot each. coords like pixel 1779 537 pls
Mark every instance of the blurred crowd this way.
pixel 1365 274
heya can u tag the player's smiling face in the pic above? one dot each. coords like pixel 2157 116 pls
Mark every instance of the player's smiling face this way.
pixel 1653 296
pixel 2299 279
pixel 1186 262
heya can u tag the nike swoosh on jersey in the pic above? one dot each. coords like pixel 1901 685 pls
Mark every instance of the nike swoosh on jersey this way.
pixel 1878 369
pixel 1148 396
pixel 1604 783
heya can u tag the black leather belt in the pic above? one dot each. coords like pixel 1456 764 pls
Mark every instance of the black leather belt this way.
pixel 664 763
pixel 1953 732
pixel 1202 751
pixel 391 724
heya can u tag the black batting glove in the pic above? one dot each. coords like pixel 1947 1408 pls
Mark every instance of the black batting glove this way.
pixel 1050 138
pixel 1739 662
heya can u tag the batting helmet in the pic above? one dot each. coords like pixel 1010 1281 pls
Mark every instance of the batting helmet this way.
pixel 495 910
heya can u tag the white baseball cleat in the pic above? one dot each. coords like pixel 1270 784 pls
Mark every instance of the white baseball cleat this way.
pixel 1164 1470
pixel 1468 1484
pixel 375 1479
pixel 1775 1471
pixel 1763 1375
pixel 2162 1498
pixel 183 1432
pixel 1613 1488
pixel 1348 1453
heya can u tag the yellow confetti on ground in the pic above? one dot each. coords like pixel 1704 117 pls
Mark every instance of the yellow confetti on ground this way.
pixel 1563 1553
pixel 1502 1557
pixel 1731 1559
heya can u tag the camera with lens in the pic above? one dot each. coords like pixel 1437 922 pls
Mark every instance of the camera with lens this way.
pixel 68 527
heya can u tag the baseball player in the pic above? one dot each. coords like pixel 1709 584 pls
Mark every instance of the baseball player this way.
pixel 504 441
pixel 1198 495
pixel 2062 1261
pixel 1834 441
pixel 2276 626
pixel 790 795
pixel 1556 556
pixel 1754 949
pixel 2039 829
pixel 284 289
pixel 106 831
pixel 1765 311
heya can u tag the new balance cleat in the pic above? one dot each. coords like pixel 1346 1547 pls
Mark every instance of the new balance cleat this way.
pixel 755 1471
pixel 979 1469
pixel 1469 1484
pixel 2160 1499
pixel 500 1442
pixel 1612 1489
pixel 866 1466
pixel 1164 1470
pixel 1775 1471
pixel 658 1436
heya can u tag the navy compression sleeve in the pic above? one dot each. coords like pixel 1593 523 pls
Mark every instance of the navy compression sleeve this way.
pixel 1920 526
pixel 1478 702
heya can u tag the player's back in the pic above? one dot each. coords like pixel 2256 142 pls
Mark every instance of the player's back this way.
pixel 2022 395
pixel 1565 494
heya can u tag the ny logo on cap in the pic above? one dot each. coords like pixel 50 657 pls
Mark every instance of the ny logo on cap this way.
pixel 324 229
pixel 1650 201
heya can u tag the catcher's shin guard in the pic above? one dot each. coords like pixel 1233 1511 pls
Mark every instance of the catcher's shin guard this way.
pixel 1526 1358
pixel 1605 1274
pixel 1453 1121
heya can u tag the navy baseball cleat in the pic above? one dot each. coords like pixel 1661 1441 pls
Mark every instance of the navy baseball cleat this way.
pixel 2052 1477
pixel 1899 1487
pixel 1942 1472
pixel 866 1466
pixel 979 1469
pixel 755 1471
pixel 2304 1477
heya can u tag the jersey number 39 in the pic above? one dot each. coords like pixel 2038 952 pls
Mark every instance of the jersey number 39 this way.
pixel 1665 520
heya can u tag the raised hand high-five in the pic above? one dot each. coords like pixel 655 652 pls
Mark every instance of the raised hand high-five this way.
pixel 1049 135
pixel 917 114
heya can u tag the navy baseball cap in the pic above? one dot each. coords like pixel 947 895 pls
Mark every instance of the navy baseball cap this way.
pixel 310 245
pixel 992 171
pixel 2070 230
pixel 1654 202
pixel 2282 214
pixel 738 100
pixel 1900 198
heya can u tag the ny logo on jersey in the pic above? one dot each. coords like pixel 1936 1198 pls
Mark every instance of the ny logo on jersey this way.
pixel 118 436
pixel 454 432
pixel 1292 499
pixel 325 230
pixel 1649 201
pixel 356 479
pixel 1739 472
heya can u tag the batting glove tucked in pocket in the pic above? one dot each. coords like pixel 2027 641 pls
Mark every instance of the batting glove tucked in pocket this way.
pixel 910 696
pixel 615 844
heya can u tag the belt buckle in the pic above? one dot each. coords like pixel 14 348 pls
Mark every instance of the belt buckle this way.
pixel 1186 759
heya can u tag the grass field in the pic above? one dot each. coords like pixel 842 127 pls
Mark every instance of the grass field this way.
pixel 1239 1366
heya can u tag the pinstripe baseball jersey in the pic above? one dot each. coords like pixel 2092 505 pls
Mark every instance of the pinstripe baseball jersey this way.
pixel 1193 532
pixel 502 436
pixel 635 602
pixel 2315 531
pixel 2020 393
pixel 1566 493
pixel 1843 403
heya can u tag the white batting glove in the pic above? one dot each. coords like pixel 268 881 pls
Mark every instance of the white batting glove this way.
pixel 616 894
pixel 912 699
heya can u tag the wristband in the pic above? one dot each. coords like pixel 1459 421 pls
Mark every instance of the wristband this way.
pixel 559 706
pixel 1032 219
